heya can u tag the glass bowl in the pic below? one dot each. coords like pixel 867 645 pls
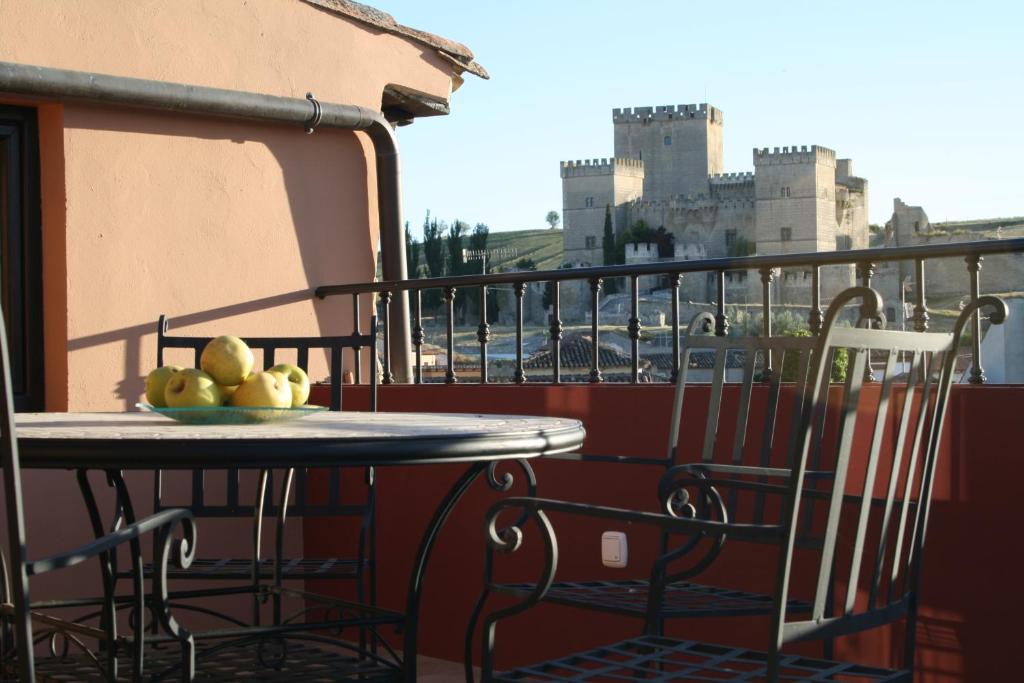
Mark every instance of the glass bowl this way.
pixel 231 415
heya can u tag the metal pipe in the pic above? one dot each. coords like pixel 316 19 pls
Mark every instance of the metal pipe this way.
pixel 83 86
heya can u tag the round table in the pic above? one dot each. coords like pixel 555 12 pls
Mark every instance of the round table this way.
pixel 119 441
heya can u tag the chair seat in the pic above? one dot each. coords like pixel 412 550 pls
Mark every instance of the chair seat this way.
pixel 680 600
pixel 297 568
pixel 244 662
pixel 667 659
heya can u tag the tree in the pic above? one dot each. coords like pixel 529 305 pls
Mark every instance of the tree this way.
pixel 433 253
pixel 412 255
pixel 478 245
pixel 526 264
pixel 608 241
pixel 456 264
pixel 553 218
pixel 548 296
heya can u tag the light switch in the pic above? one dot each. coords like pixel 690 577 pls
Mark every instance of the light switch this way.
pixel 614 550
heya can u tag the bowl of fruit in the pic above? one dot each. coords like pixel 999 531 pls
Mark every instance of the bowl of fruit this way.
pixel 225 390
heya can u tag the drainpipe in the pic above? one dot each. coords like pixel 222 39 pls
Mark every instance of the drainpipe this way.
pixel 96 88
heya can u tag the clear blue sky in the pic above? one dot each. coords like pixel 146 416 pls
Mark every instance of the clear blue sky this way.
pixel 927 98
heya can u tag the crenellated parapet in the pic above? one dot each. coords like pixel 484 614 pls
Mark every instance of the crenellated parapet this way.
pixel 719 179
pixel 815 154
pixel 599 167
pixel 670 112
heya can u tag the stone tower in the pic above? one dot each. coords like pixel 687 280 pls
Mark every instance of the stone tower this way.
pixel 795 195
pixel 680 146
pixel 587 188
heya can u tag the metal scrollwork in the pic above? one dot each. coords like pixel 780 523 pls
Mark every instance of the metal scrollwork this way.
pixel 705 503
pixel 272 652
pixel 181 552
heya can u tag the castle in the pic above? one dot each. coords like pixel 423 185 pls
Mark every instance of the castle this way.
pixel 668 172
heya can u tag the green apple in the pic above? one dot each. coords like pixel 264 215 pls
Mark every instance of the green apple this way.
pixel 298 380
pixel 191 388
pixel 155 383
pixel 263 390
pixel 227 359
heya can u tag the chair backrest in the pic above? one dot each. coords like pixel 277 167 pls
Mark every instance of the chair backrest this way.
pixel 880 441
pixel 234 502
pixel 761 381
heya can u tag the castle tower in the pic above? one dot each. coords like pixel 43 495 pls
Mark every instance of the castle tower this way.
pixel 679 145
pixel 587 188
pixel 795 193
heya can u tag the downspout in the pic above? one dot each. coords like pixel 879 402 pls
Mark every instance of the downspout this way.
pixel 96 88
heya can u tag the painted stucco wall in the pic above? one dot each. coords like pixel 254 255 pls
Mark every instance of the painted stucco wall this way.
pixel 224 226
pixel 213 222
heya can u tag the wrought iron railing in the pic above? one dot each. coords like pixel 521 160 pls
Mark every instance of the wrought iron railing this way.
pixel 864 260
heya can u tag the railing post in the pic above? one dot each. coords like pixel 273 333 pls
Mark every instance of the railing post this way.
pixel 721 320
pixel 634 328
pixel 556 333
pixel 520 375
pixel 817 318
pixel 920 307
pixel 865 271
pixel 767 276
pixel 386 376
pixel 358 371
pixel 417 335
pixel 674 280
pixel 449 297
pixel 977 372
pixel 595 368
pixel 483 334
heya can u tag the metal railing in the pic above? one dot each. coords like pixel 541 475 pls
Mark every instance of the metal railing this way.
pixel 864 260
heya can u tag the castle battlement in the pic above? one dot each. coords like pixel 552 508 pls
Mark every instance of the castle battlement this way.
pixel 815 154
pixel 597 167
pixel 731 178
pixel 669 112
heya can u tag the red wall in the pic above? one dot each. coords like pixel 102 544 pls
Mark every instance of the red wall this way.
pixel 970 598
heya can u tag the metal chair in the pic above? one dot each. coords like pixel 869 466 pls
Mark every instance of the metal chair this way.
pixel 865 499
pixel 263 576
pixel 24 623
pixel 757 371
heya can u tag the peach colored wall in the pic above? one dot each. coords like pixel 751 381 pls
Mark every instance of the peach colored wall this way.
pixel 225 226
pixel 210 221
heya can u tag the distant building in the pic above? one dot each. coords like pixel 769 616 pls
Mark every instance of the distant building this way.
pixel 668 172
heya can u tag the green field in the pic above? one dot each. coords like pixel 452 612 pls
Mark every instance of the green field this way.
pixel 544 247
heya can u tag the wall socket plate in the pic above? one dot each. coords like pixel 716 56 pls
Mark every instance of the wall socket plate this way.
pixel 614 549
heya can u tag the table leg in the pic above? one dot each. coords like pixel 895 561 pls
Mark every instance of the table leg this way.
pixel 448 503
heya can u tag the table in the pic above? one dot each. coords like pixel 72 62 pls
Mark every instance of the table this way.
pixel 144 441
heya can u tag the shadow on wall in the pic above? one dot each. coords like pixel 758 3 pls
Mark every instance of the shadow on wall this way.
pixel 324 178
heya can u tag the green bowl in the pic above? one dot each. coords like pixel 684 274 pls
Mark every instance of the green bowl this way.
pixel 231 415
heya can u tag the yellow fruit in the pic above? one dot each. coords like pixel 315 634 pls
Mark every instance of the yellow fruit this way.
pixel 156 381
pixel 298 380
pixel 227 359
pixel 192 388
pixel 263 390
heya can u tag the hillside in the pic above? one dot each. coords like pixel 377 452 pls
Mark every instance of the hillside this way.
pixel 544 247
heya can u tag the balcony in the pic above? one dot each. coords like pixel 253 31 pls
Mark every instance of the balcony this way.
pixel 969 598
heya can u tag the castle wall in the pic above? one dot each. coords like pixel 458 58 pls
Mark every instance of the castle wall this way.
pixel 587 188
pixel 680 146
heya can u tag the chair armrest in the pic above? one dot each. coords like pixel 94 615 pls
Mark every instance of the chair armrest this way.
pixel 666 522
pixel 163 520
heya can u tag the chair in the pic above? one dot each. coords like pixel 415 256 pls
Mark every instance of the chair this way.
pixel 871 457
pixel 24 622
pixel 265 577
pixel 746 373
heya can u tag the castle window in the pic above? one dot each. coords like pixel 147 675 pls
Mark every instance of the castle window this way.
pixel 787 234
pixel 591 242
pixel 843 242
pixel 730 239
pixel 668 140
pixel 917 226
pixel 588 202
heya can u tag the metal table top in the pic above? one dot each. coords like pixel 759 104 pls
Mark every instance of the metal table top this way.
pixel 148 441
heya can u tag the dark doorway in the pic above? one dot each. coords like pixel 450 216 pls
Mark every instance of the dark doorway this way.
pixel 21 253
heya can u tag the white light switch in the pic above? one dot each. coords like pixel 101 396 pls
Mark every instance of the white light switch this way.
pixel 614 551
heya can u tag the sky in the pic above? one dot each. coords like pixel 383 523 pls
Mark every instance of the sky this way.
pixel 926 98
